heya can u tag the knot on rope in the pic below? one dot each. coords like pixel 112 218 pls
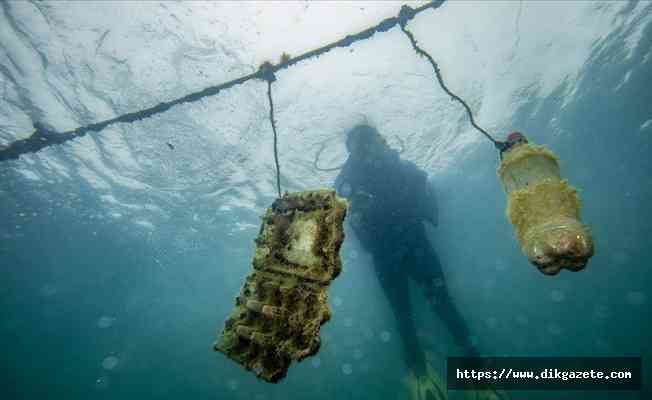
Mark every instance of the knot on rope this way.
pixel 42 133
pixel 405 15
pixel 266 72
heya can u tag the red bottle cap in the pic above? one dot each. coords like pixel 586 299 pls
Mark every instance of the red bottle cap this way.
pixel 516 136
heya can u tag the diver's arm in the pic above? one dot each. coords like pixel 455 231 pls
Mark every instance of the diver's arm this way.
pixel 342 177
pixel 430 204
pixel 338 184
pixel 426 202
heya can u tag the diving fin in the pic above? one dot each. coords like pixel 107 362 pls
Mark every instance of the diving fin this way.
pixel 426 386
pixel 486 394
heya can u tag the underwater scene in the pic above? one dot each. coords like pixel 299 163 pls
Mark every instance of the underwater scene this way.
pixel 275 200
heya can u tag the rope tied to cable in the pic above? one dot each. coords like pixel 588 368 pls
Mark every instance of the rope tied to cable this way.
pixel 405 15
pixel 266 72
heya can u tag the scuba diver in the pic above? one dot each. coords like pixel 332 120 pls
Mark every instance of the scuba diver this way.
pixel 390 199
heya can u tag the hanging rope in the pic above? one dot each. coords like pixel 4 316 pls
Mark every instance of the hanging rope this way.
pixel 266 72
pixel 406 14
pixel 322 147
pixel 42 138
pixel 316 161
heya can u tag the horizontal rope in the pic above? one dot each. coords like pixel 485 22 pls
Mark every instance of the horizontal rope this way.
pixel 42 137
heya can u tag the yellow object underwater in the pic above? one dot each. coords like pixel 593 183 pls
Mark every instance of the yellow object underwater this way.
pixel 544 209
pixel 485 394
pixel 284 301
pixel 428 386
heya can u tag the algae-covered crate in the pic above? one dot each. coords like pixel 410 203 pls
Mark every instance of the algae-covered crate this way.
pixel 284 301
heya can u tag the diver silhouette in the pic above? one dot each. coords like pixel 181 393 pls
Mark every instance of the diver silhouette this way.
pixel 390 199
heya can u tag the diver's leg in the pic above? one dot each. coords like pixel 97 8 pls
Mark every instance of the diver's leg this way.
pixel 427 271
pixel 393 281
pixel 430 276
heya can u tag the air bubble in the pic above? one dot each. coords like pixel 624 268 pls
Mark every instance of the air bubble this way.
pixel 110 362
pixel 347 369
pixel 636 298
pixel 554 329
pixel 557 296
pixel 385 336
pixel 105 322
pixel 337 301
pixel 232 384
pixel 101 383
